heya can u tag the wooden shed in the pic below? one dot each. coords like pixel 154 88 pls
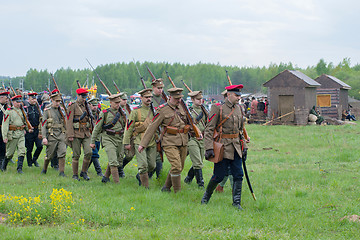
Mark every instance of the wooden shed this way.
pixel 332 96
pixel 291 92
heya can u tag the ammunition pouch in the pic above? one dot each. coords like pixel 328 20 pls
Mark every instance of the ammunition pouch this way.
pixel 15 128
pixel 174 130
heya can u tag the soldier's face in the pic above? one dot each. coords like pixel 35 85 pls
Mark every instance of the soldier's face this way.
pixel 197 102
pixel 123 102
pixel 233 98
pixel 56 103
pixel 32 100
pixel 175 101
pixel 157 90
pixel 3 99
pixel 17 104
pixel 115 105
pixel 146 100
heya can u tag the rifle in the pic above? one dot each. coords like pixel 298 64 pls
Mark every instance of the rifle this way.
pixel 56 87
pixel 203 108
pixel 246 136
pixel 163 94
pixel 106 89
pixel 158 143
pixel 88 110
pixel 28 124
pixel 186 110
pixel 128 108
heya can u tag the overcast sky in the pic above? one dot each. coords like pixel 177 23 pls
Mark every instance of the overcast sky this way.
pixel 50 34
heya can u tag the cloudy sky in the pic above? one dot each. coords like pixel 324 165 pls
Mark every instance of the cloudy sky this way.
pixel 50 34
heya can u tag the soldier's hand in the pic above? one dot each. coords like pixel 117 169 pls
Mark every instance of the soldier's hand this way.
pixel 128 147
pixel 200 137
pixel 5 140
pixel 31 130
pixel 209 154
pixel 71 139
pixel 45 141
pixel 140 149
pixel 92 145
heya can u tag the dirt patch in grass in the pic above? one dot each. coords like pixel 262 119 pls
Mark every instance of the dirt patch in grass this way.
pixel 3 218
pixel 352 218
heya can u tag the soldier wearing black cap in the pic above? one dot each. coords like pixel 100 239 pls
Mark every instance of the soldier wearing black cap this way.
pixel 4 99
pixel 33 113
pixel 229 121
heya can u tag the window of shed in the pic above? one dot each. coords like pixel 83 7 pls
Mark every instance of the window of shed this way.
pixel 323 100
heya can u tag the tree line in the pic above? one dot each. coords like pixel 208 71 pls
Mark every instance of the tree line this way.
pixel 210 78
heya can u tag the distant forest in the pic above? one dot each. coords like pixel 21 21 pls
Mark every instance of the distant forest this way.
pixel 210 78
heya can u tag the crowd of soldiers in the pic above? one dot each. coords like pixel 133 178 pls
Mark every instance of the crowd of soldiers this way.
pixel 159 125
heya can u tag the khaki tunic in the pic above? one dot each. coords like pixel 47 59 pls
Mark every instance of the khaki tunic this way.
pixel 233 125
pixel 196 147
pixel 157 101
pixel 129 154
pixel 79 129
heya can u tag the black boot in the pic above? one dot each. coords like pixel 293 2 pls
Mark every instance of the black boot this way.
pixel 199 178
pixel 158 168
pixel 237 194
pixel 188 179
pixel 105 179
pixel 20 165
pixel 84 176
pixel 76 177
pixel 138 178
pixel 5 163
pixel 1 163
pixel 209 191
pixel 121 171
pixel 29 158
pixel 125 162
pixel 97 166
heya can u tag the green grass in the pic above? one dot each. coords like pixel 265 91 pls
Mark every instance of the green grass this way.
pixel 305 180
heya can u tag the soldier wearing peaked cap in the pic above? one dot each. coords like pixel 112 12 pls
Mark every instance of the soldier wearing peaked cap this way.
pixel 4 99
pixel 110 126
pixel 174 137
pixel 229 121
pixel 78 133
pixel 138 122
pixel 53 131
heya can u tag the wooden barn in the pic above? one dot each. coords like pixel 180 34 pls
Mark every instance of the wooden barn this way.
pixel 293 94
pixel 332 96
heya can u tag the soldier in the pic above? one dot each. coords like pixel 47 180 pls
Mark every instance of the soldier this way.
pixel 228 120
pixel 158 88
pixel 4 99
pixel 138 122
pixel 78 133
pixel 111 125
pixel 196 147
pixel 172 120
pixel 13 133
pixel 94 105
pixel 33 113
pixel 53 132
pixel 129 153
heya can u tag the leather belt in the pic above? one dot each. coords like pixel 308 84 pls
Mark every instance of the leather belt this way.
pixel 15 128
pixel 235 135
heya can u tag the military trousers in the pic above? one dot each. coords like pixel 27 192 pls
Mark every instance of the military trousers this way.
pixel 146 159
pixel 176 156
pixel 12 145
pixel 114 149
pixel 2 147
pixel 221 169
pixel 76 147
pixel 56 147
pixel 196 151
pixel 32 139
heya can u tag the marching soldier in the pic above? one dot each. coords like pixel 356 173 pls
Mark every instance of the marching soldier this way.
pixel 158 88
pixel 94 105
pixel 129 153
pixel 4 98
pixel 138 122
pixel 174 137
pixel 13 133
pixel 196 147
pixel 111 126
pixel 78 133
pixel 53 132
pixel 33 113
pixel 228 120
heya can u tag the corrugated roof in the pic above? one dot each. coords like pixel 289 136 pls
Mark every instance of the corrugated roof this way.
pixel 305 78
pixel 344 85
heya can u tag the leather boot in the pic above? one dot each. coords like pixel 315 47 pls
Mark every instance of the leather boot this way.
pixel 62 167
pixel 199 178
pixel 158 168
pixel 167 185
pixel 121 171
pixel 5 163
pixel 176 182
pixel 125 162
pixel 1 163
pixel 115 174
pixel 237 194
pixel 188 179
pixel 36 156
pixel 209 191
pixel 55 163
pixel 144 178
pixel 29 158
pixel 20 165
pixel 106 177
pixel 84 169
pixel 138 178
pixel 97 166
pixel 46 164
pixel 75 168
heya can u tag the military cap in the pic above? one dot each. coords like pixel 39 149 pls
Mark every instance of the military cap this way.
pixel 4 93
pixel 146 92
pixel 16 98
pixel 115 97
pixel 80 91
pixel 45 96
pixel 158 82
pixel 224 93
pixel 196 94
pixel 123 96
pixel 94 101
pixel 176 92
pixel 235 88
pixel 32 94
pixel 55 91
pixel 55 96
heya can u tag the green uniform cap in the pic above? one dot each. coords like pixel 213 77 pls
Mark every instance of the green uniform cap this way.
pixel 176 92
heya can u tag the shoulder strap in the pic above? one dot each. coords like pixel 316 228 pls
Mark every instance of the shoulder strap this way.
pixel 139 115
pixel 222 121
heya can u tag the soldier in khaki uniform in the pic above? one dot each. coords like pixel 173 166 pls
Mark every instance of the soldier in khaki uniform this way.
pixel 138 122
pixel 172 120
pixel 129 153
pixel 111 126
pixel 4 99
pixel 196 147
pixel 13 133
pixel 53 132
pixel 78 133
pixel 234 144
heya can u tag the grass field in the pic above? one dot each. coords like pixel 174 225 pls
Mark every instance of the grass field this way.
pixel 306 179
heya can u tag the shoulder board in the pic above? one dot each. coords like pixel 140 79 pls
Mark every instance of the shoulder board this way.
pixel 10 108
pixel 136 108
pixel 105 110
pixel 217 104
pixel 71 103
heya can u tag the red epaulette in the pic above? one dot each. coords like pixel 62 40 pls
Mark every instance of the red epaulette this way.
pixel 135 108
pixel 104 111
pixel 217 104
pixel 9 108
